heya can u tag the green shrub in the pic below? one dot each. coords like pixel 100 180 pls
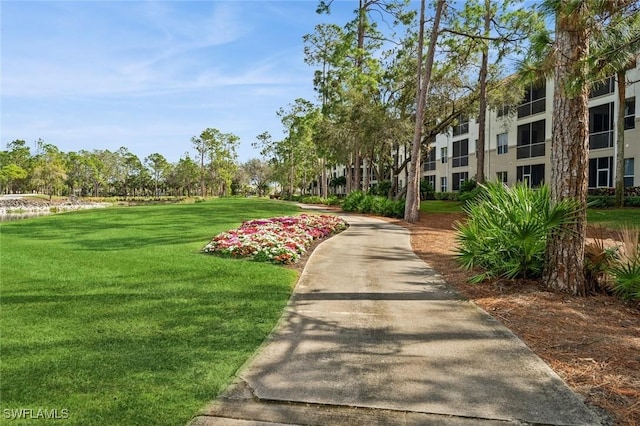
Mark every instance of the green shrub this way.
pixel 333 201
pixel 427 192
pixel 599 201
pixel 507 230
pixel 468 197
pixel 366 204
pixel 395 209
pixel 627 279
pixel 626 268
pixel 352 201
pixel 468 186
pixel 632 201
pixel 381 189
pixel 360 202
pixel 447 196
pixel 311 199
pixel 315 199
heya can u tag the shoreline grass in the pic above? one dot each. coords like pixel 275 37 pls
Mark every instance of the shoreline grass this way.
pixel 116 316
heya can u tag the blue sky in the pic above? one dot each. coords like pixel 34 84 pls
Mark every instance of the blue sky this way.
pixel 149 75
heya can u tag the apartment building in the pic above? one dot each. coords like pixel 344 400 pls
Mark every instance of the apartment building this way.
pixel 518 144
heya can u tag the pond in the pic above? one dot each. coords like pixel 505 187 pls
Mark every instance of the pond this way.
pixel 8 214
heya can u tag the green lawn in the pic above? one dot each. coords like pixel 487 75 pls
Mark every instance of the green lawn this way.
pixel 608 218
pixel 115 315
pixel 614 218
pixel 441 206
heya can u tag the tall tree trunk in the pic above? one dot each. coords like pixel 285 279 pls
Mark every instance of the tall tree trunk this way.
pixel 482 114
pixel 202 188
pixel 292 173
pixel 564 257
pixel 348 176
pixel 323 178
pixel 412 204
pixel 366 174
pixel 393 189
pixel 619 194
pixel 357 178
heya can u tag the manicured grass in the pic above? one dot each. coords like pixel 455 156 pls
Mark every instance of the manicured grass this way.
pixel 614 218
pixel 608 218
pixel 116 316
pixel 441 206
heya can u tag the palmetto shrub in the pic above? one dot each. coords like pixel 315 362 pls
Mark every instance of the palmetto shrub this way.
pixel 352 201
pixel 626 268
pixel 506 230
pixel 627 279
pixel 360 202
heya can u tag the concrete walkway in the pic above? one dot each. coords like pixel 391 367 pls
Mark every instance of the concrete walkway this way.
pixel 373 335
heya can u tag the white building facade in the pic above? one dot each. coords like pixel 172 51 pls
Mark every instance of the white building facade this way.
pixel 518 145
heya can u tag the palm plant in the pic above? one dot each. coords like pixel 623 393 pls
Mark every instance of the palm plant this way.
pixel 507 229
pixel 599 257
pixel 626 268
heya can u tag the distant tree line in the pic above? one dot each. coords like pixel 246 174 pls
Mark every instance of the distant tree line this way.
pixel 214 171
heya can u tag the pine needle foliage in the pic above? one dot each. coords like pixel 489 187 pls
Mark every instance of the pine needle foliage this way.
pixel 507 229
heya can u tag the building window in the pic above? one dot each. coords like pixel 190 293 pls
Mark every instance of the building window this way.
pixel 462 125
pixel 534 100
pixel 601 172
pixel 502 111
pixel 457 179
pixel 503 143
pixel 532 176
pixel 531 140
pixel 628 172
pixel 630 114
pixel 601 126
pixel 602 87
pixel 502 177
pixel 443 184
pixel 431 180
pixel 443 155
pixel 429 160
pixel 460 153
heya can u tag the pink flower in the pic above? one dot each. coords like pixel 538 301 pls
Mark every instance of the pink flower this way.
pixel 279 240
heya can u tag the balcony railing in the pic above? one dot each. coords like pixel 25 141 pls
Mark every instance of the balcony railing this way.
pixel 601 140
pixel 530 151
pixel 460 161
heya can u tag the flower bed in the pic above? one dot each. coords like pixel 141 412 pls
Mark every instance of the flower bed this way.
pixel 279 240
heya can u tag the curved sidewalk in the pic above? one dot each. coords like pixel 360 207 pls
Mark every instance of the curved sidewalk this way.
pixel 372 335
